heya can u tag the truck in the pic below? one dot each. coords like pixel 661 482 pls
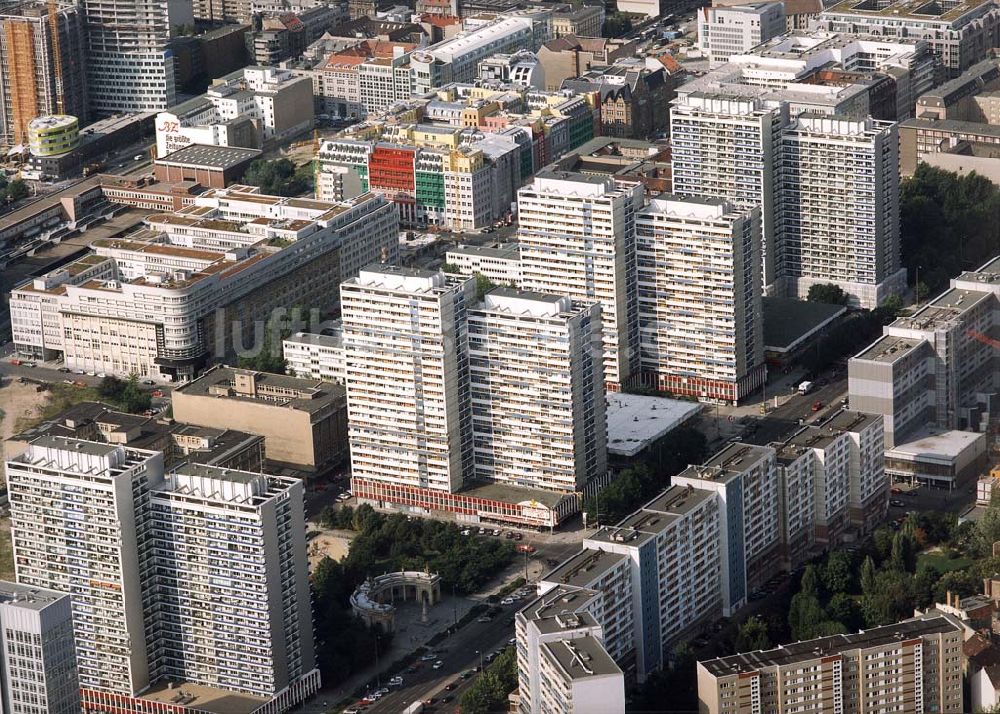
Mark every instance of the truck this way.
pixel 805 387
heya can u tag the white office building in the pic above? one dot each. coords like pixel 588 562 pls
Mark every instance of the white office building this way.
pixel 536 382
pixel 130 66
pixel 231 580
pixel 77 511
pixel 577 236
pixel 727 31
pixel 37 653
pixel 840 193
pixel 500 265
pixel 700 314
pixel 407 376
pixel 312 355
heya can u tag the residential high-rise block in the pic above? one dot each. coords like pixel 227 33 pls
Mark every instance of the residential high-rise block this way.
pixel 37 655
pixel 231 580
pixel 407 376
pixel 577 236
pixel 197 575
pixel 78 510
pixel 745 477
pixel 914 666
pixel 728 146
pixel 537 390
pixel 130 66
pixel 700 314
pixel 840 194
pixel 446 392
pixel 42 65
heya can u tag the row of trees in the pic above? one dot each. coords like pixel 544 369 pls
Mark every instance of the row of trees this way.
pixel 279 177
pixel 950 223
pixel 11 191
pixel 637 484
pixel 489 692
pixel 389 543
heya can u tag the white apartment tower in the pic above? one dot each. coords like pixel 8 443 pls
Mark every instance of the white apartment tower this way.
pixel 538 410
pixel 77 512
pixel 577 236
pixel 130 64
pixel 840 193
pixel 407 377
pixel 728 146
pixel 700 297
pixel 726 31
pixel 37 655
pixel 232 581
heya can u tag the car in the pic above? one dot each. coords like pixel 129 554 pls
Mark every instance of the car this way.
pixel 91 374
pixel 447 698
pixel 438 665
pixel 496 532
pixel 910 494
pixel 78 371
pixel 396 681
pixel 148 382
pixel 484 618
pixel 65 370
pixel 102 375
pixel 896 503
pixel 429 702
pixel 896 490
pixel 507 601
pixel 156 393
pixel 429 657
pixel 466 532
pixel 450 687
pixel 383 691
pixel 138 157
pixel 466 674
pixel 518 536
pixel 817 406
pixel 482 531
pixel 67 381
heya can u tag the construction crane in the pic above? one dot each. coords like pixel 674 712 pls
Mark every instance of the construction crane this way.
pixel 56 56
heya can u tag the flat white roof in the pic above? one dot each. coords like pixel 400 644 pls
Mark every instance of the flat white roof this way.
pixel 635 421
pixel 943 446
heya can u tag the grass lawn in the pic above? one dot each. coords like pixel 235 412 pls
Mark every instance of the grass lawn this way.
pixel 943 563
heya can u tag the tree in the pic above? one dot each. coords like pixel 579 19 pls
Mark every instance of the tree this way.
pixel 490 690
pixel 827 293
pixel 837 573
pixel 753 635
pixel 16 190
pixel 809 585
pixel 111 388
pixel 616 25
pixel 889 599
pixel 957 582
pixel 483 285
pixel 867 575
pixel 276 177
pixel 844 609
pixel 903 556
pixel 804 614
pixel 132 398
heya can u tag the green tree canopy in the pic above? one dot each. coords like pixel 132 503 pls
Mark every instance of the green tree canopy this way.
pixel 827 293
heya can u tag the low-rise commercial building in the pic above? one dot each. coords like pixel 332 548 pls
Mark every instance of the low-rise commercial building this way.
pixel 251 108
pixel 500 265
pixel 303 422
pixel 936 366
pixel 961 33
pixel 195 282
pixel 208 166
pixel 940 458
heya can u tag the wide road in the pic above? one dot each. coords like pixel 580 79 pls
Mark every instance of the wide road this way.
pixel 458 653
pixel 796 408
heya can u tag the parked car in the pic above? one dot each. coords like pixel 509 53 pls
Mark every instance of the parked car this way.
pixel 817 406
pixel 438 665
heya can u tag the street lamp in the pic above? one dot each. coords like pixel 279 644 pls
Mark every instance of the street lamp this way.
pixel 480 660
